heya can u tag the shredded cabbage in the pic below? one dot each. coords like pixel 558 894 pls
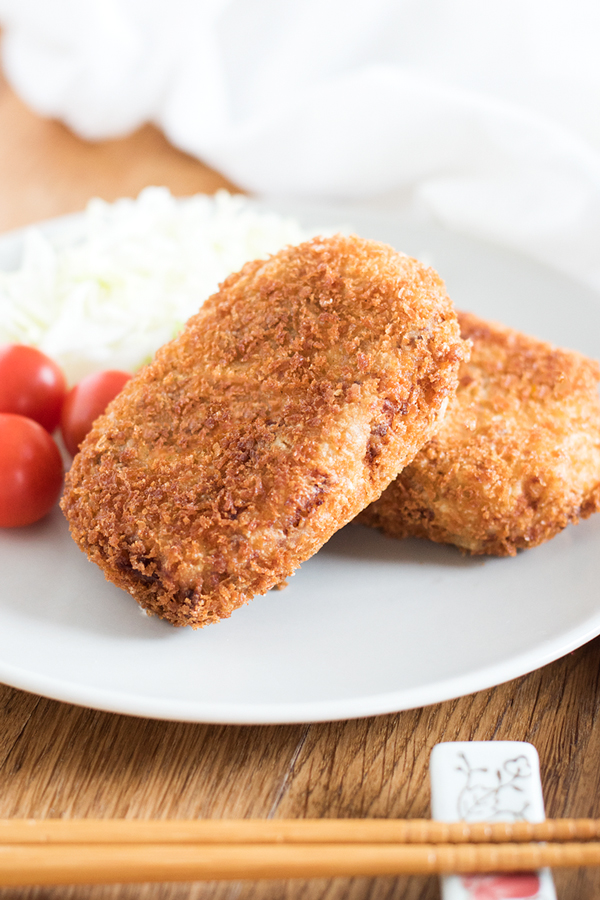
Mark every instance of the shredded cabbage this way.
pixel 140 269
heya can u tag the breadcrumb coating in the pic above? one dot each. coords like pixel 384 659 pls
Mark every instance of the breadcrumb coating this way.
pixel 285 406
pixel 517 457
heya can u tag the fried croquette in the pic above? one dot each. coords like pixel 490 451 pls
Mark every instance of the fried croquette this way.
pixel 285 406
pixel 517 457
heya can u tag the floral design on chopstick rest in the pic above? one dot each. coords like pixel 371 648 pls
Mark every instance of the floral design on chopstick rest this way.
pixel 491 792
pixel 481 781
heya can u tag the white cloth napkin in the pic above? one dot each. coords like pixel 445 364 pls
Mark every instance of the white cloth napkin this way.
pixel 487 114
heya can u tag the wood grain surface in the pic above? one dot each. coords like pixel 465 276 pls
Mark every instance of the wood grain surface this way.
pixel 58 760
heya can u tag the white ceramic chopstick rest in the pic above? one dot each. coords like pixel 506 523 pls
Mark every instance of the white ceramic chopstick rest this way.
pixel 489 781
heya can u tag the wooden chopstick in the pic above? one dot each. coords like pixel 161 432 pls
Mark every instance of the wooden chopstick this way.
pixel 99 851
pixel 290 831
pixel 114 863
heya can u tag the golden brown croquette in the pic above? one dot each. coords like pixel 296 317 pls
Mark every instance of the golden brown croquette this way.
pixel 285 406
pixel 517 456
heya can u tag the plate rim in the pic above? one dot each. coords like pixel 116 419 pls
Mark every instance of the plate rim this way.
pixel 291 713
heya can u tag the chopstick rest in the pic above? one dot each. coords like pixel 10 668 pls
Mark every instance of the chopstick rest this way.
pixel 489 781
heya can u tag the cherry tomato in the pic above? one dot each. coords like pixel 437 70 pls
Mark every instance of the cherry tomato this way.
pixel 31 384
pixel 85 402
pixel 31 471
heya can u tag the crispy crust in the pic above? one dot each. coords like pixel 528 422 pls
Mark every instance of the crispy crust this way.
pixel 285 406
pixel 517 457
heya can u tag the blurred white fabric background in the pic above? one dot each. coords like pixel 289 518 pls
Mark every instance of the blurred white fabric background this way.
pixel 485 114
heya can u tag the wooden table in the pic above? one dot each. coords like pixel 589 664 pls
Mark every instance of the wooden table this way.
pixel 60 760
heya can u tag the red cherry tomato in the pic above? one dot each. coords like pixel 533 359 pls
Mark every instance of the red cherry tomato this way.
pixel 31 471
pixel 31 384
pixel 85 402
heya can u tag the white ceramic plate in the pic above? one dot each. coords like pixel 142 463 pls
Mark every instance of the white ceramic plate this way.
pixel 369 625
